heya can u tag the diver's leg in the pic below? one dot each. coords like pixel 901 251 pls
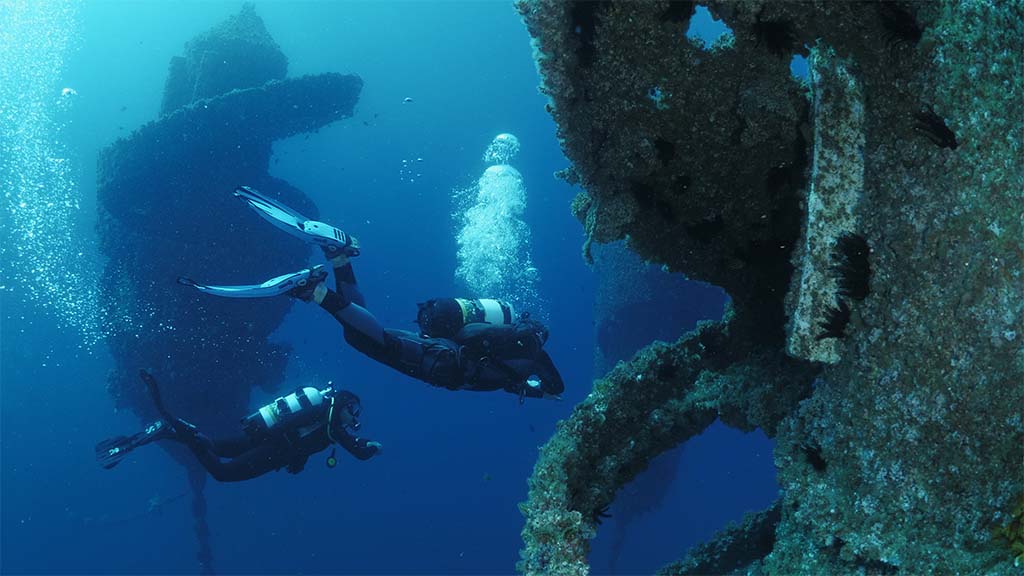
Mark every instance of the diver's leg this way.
pixel 202 447
pixel 345 280
pixel 351 315
pixel 232 446
pixel 249 464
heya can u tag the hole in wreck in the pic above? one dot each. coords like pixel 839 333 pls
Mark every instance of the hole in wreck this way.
pixel 798 66
pixel 638 302
pixel 705 28
pixel 683 498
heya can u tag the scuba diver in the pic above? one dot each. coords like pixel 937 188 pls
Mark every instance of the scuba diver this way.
pixel 284 433
pixel 478 345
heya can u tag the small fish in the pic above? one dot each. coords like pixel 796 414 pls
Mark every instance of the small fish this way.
pixel 407 100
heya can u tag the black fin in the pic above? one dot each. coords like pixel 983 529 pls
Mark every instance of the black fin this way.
pixel 111 451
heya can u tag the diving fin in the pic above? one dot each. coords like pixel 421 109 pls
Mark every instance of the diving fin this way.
pixel 111 451
pixel 273 211
pixel 273 287
pixel 329 238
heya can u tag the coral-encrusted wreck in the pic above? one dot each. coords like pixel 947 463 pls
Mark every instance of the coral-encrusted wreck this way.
pixel 166 209
pixel 871 236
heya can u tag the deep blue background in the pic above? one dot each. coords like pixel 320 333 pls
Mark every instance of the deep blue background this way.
pixel 443 497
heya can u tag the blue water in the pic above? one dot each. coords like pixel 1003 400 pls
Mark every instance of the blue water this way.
pixel 443 498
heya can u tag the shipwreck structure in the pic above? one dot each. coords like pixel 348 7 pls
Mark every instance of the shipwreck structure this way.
pixel 166 209
pixel 867 225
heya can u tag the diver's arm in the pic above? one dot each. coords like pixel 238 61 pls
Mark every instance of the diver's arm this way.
pixel 550 378
pixel 359 447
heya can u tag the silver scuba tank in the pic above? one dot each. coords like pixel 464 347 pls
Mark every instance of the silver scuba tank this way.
pixel 487 310
pixel 444 317
pixel 297 409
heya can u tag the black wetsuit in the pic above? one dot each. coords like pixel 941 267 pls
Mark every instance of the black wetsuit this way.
pixel 249 458
pixel 456 364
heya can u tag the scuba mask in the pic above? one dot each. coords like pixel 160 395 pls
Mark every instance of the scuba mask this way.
pixel 347 402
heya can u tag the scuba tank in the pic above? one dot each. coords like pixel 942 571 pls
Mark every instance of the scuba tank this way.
pixel 290 412
pixel 445 317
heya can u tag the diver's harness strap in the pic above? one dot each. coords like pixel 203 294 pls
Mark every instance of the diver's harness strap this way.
pixel 304 401
pixel 293 436
pixel 429 360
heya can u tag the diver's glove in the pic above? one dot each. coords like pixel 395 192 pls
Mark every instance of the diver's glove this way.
pixel 534 389
pixel 377 446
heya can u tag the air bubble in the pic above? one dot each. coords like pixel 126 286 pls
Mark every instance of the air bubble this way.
pixel 40 260
pixel 494 240
pixel 503 149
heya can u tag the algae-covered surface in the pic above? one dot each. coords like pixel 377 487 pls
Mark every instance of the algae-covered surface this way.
pixel 868 225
